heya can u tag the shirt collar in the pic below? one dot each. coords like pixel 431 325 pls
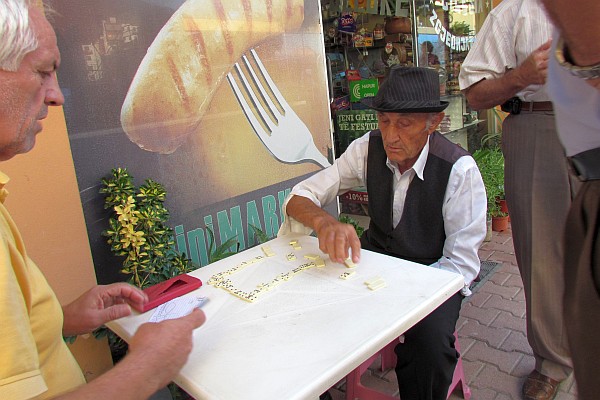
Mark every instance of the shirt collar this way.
pixel 418 166
pixel 3 181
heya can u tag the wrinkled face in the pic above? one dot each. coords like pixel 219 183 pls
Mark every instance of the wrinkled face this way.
pixel 405 135
pixel 26 93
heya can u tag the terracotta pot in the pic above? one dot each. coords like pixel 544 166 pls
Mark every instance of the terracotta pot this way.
pixel 503 207
pixel 398 25
pixel 500 224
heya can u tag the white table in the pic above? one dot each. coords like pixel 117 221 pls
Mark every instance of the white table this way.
pixel 305 335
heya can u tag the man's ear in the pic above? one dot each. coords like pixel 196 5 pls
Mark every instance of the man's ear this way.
pixel 436 119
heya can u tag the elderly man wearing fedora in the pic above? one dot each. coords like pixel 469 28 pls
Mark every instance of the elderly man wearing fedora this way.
pixel 427 204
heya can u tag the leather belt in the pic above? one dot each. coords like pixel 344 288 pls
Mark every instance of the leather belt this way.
pixel 533 106
pixel 515 105
pixel 586 165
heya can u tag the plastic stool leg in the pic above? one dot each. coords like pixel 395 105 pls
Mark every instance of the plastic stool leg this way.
pixel 459 375
pixel 388 356
pixel 356 390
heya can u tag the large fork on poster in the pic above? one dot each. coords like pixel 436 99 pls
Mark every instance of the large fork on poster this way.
pixel 278 127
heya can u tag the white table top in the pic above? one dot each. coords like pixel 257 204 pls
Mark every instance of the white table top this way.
pixel 305 335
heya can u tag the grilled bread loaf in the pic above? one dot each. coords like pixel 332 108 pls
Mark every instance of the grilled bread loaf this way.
pixel 188 60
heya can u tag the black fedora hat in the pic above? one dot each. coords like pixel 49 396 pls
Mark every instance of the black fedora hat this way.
pixel 408 90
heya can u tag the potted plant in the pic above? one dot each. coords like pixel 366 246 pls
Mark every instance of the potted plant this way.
pixel 140 238
pixel 138 233
pixel 491 166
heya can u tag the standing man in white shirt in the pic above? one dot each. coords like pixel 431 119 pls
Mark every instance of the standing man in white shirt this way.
pixel 427 204
pixel 508 65
pixel 574 86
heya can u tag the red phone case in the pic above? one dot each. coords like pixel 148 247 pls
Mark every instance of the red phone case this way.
pixel 169 289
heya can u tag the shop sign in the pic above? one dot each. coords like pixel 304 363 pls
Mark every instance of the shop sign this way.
pixel 398 8
pixel 355 196
pixel 363 88
pixel 351 124
pixel 456 43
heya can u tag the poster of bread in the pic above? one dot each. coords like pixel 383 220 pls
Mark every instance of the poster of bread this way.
pixel 224 102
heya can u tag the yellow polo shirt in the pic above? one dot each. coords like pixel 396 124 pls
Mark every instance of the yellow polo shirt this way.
pixel 35 362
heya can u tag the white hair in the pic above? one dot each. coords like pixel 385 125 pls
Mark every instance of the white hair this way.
pixel 17 36
pixel 430 118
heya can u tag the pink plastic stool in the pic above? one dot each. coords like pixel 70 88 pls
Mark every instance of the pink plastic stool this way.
pixel 459 375
pixel 356 390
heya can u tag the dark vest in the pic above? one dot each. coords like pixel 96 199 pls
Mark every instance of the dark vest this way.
pixel 420 234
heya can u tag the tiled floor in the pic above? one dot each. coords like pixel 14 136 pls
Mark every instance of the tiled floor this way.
pixel 492 335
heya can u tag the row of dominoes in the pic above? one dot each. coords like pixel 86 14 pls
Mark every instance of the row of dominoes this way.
pixel 219 281
pixel 221 275
pixel 261 287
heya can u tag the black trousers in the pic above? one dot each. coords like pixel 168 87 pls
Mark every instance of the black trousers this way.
pixel 427 358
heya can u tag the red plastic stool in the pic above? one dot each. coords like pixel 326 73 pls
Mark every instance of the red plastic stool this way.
pixel 356 390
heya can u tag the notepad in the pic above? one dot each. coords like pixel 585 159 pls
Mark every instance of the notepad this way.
pixel 177 308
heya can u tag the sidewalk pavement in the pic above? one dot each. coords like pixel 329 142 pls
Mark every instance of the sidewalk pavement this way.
pixel 492 335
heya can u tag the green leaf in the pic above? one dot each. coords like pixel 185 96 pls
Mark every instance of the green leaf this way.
pixel 222 251
pixel 259 234
pixel 490 162
pixel 346 219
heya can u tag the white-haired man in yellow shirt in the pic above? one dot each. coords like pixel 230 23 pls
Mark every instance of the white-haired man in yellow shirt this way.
pixel 34 360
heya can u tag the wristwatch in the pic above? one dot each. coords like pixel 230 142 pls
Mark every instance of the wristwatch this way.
pixel 564 60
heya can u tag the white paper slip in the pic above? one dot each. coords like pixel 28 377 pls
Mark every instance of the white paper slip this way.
pixel 176 308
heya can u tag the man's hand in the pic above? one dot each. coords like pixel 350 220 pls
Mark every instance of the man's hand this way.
pixel 163 348
pixel 336 238
pixel 99 305
pixel 534 70
pixel 488 93
pixel 157 352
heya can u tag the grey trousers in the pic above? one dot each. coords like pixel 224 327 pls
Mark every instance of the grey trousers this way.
pixel 582 290
pixel 538 194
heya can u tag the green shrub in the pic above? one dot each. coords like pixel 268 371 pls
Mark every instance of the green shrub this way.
pixel 138 231
pixel 349 220
pixel 491 165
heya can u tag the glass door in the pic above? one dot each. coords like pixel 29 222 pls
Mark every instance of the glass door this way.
pixel 444 33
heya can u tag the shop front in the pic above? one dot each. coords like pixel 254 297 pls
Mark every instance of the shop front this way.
pixel 364 39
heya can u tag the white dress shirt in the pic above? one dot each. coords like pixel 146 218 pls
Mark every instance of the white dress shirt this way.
pixel 510 33
pixel 464 209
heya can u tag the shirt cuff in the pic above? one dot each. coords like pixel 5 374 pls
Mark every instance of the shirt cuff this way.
pixel 290 225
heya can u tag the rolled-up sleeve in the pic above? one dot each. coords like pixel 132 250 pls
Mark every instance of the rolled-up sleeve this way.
pixel 464 212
